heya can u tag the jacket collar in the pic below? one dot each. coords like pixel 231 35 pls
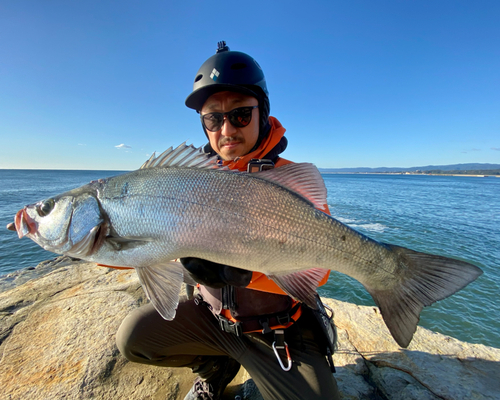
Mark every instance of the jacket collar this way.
pixel 272 145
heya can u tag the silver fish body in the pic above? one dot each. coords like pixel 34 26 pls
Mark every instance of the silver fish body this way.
pixel 257 222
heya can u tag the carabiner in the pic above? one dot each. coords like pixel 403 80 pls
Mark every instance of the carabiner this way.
pixel 289 367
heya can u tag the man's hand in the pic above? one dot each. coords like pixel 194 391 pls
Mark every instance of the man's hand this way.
pixel 215 275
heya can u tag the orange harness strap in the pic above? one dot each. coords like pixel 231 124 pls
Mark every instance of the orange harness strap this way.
pixel 261 324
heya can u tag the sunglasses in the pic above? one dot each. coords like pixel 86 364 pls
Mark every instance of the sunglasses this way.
pixel 239 117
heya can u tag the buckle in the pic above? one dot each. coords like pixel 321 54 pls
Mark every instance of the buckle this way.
pixel 264 322
pixel 284 319
pixel 230 327
pixel 198 299
pixel 256 165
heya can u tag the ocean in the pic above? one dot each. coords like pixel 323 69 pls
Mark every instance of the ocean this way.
pixel 454 216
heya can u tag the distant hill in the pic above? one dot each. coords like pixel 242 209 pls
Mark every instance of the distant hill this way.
pixel 444 168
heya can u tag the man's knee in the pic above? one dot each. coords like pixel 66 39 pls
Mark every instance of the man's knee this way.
pixel 130 336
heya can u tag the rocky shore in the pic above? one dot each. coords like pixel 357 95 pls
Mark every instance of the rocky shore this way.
pixel 58 321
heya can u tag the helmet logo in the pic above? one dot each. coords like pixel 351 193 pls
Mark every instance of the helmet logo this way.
pixel 215 74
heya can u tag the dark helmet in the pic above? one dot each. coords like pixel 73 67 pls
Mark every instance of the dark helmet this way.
pixel 227 70
pixel 232 71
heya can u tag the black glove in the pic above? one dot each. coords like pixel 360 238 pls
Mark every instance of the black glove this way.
pixel 215 275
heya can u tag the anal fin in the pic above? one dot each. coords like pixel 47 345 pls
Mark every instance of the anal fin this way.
pixel 301 285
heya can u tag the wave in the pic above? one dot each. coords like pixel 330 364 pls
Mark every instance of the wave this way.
pixel 362 225
pixel 376 227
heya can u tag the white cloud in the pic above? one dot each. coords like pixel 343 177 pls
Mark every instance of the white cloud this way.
pixel 470 150
pixel 123 146
pixel 495 148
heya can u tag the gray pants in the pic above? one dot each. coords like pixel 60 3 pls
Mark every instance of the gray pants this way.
pixel 195 336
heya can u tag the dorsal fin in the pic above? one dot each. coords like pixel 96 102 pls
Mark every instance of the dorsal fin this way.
pixel 182 156
pixel 302 178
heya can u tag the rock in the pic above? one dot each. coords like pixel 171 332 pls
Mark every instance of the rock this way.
pixel 57 342
pixel 433 365
pixel 17 278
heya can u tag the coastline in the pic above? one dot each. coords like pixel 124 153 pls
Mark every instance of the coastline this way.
pixel 408 174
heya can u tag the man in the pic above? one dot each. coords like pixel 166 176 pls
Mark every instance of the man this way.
pixel 238 317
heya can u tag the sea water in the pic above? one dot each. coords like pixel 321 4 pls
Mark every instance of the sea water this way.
pixel 452 216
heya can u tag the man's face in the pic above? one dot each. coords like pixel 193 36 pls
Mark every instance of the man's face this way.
pixel 231 142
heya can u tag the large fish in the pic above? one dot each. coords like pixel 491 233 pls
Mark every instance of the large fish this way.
pixel 180 205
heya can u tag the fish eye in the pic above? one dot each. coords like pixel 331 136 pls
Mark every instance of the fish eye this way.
pixel 44 208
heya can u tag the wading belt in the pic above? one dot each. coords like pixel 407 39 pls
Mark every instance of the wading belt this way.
pixel 263 324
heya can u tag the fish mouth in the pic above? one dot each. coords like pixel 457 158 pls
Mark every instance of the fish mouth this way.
pixel 24 224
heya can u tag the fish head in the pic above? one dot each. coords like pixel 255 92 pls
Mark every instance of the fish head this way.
pixel 67 224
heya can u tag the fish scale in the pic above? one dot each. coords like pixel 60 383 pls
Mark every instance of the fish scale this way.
pixel 266 222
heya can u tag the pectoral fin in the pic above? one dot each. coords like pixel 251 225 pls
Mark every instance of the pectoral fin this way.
pixel 162 284
pixel 126 243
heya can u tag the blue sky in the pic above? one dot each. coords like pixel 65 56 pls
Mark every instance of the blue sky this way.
pixel 356 83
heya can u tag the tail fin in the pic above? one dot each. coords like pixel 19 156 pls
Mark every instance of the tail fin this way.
pixel 424 279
